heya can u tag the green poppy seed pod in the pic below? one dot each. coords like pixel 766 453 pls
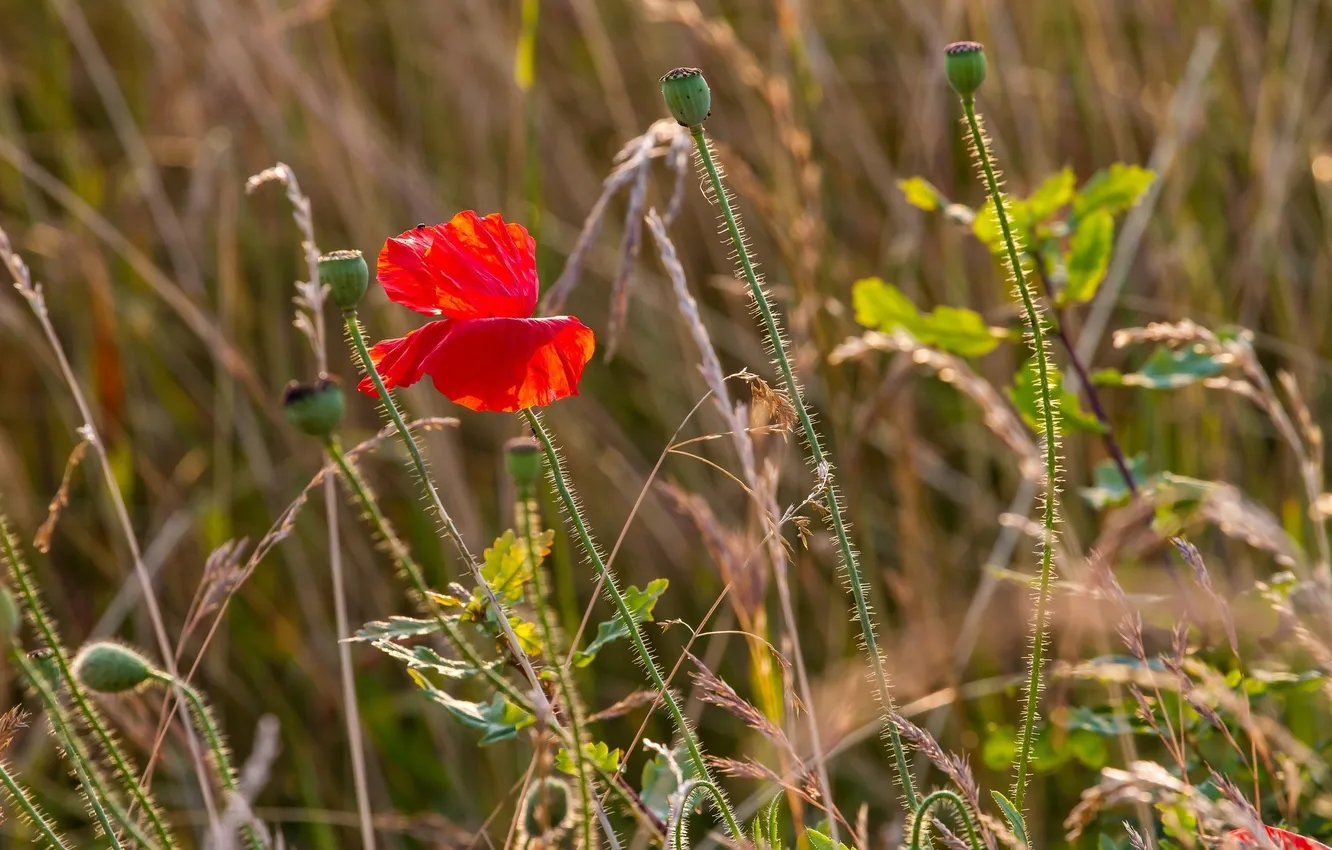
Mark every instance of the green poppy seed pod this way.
pixel 547 807
pixel 316 409
pixel 10 616
pixel 346 276
pixel 111 668
pixel 964 63
pixel 522 457
pixel 687 96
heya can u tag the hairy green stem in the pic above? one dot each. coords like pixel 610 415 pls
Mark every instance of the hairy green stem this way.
pixel 821 464
pixel 451 530
pixel 626 617
pixel 677 836
pixel 933 799
pixel 46 629
pixel 525 515
pixel 19 796
pixel 1050 433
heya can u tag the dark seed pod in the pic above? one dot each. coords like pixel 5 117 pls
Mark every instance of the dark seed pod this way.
pixel 687 96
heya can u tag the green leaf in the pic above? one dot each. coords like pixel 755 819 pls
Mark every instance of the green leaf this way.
pixel 1013 816
pixel 595 752
pixel 1000 747
pixel 957 330
pixel 1169 368
pixel 819 841
pixel 986 225
pixel 921 193
pixel 1083 719
pixel 1113 190
pixel 529 639
pixel 505 569
pixel 395 628
pixel 499 719
pixel 1025 391
pixel 1051 196
pixel 661 779
pixel 884 307
pixel 1088 748
pixel 1089 256
pixel 640 604
pixel 1105 842
pixel 425 658
pixel 1109 488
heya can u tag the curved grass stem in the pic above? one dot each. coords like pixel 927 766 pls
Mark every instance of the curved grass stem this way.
pixel 565 492
pixel 819 460
pixel 1049 432
pixel 923 813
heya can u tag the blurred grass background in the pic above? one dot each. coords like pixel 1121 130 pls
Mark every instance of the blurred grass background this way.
pixel 128 127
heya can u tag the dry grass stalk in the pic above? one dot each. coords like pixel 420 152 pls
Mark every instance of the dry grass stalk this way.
pixel 715 690
pixel 637 699
pixel 41 541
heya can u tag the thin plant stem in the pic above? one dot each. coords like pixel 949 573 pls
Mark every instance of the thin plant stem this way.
pixel 933 799
pixel 626 617
pixel 677 835
pixel 226 774
pixel 18 795
pixel 525 516
pixel 451 531
pixel 819 460
pixel 46 630
pixel 406 564
pixel 1049 432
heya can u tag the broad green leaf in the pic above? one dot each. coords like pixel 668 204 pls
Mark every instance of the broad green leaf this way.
pixel 505 569
pixel 1089 256
pixel 1051 196
pixel 1000 747
pixel 1083 719
pixel 597 753
pixel 529 638
pixel 661 779
pixel 394 628
pixel 1109 489
pixel 819 841
pixel 1025 391
pixel 882 306
pixel 640 604
pixel 957 330
pixel 986 225
pixel 1178 821
pixel 921 193
pixel 1169 368
pixel 1013 816
pixel 1113 190
pixel 1046 757
pixel 1088 748
pixel 499 719
pixel 425 658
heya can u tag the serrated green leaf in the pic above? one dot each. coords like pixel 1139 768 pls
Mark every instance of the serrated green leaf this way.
pixel 504 567
pixel 1013 816
pixel 957 330
pixel 499 719
pixel 425 658
pixel 597 753
pixel 1051 196
pixel 395 628
pixel 640 604
pixel 529 639
pixel 921 193
pixel 1112 190
pixel 1089 256
pixel 1169 368
pixel 1109 489
pixel 884 307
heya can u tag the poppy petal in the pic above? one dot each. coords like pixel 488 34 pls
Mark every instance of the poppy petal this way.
pixel 509 364
pixel 400 361
pixel 1283 839
pixel 467 268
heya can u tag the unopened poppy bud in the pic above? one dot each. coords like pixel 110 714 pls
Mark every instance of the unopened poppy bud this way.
pixel 10 616
pixel 111 668
pixel 687 96
pixel 315 409
pixel 546 806
pixel 964 64
pixel 346 276
pixel 522 457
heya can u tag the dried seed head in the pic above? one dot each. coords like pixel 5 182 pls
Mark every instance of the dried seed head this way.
pixel 964 63
pixel 687 96
pixel 111 668
pixel 522 457
pixel 346 276
pixel 315 409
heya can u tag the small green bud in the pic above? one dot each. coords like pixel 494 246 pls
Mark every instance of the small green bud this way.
pixel 316 409
pixel 522 456
pixel 964 63
pixel 10 616
pixel 111 668
pixel 547 807
pixel 687 96
pixel 346 276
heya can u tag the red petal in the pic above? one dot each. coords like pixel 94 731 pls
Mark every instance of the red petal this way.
pixel 509 364
pixel 1281 838
pixel 468 268
pixel 399 361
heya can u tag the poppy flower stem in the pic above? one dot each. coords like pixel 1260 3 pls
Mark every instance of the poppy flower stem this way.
pixel 1049 433
pixel 28 809
pixel 451 530
pixel 923 814
pixel 565 492
pixel 820 461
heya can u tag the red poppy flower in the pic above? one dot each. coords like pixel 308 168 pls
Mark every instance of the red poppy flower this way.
pixel 479 274
pixel 1283 839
